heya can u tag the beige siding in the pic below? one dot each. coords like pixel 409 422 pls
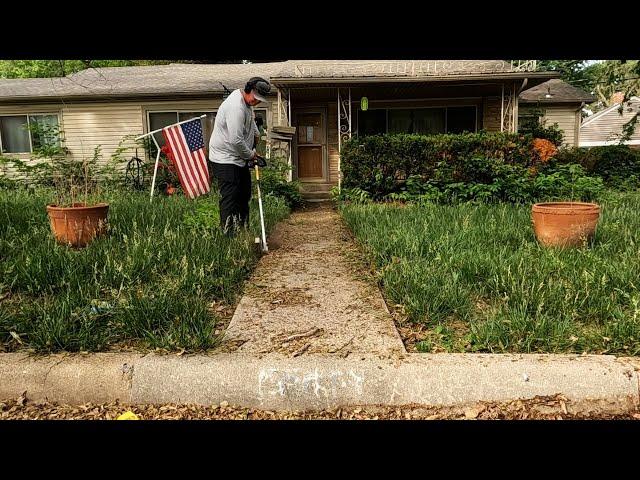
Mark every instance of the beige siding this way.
pixel 87 125
pixel 608 126
pixel 491 114
pixel 566 119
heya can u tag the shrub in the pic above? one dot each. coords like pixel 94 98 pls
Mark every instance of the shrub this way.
pixel 553 133
pixel 618 165
pixel 381 164
pixel 273 181
pixel 481 167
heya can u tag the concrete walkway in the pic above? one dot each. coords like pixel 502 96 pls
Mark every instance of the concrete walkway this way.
pixel 305 296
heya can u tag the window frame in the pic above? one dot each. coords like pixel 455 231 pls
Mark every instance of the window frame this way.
pixel 49 114
pixel 446 110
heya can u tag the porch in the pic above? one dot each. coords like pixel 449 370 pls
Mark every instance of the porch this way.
pixel 327 113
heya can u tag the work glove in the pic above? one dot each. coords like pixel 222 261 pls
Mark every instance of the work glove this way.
pixel 260 161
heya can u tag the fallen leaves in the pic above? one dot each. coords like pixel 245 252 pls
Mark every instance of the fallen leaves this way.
pixel 548 408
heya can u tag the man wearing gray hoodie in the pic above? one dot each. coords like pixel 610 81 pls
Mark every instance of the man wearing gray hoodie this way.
pixel 231 150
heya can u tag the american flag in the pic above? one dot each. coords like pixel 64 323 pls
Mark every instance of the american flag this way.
pixel 187 154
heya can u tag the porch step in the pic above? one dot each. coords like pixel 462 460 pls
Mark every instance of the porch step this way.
pixel 316 196
pixel 316 187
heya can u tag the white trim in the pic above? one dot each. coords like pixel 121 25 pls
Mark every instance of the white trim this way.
pixel 438 99
pixel 602 143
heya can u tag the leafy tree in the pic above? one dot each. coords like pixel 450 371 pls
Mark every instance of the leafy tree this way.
pixel 61 68
pixel 571 71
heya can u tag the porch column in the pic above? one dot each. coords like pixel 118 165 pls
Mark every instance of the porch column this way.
pixel 344 127
pixel 290 172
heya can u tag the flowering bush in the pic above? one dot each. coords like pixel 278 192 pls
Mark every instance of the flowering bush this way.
pixel 544 148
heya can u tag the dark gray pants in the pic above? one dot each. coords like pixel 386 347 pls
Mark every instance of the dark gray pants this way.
pixel 234 184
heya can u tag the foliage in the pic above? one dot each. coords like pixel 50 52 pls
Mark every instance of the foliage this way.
pixel 150 283
pixel 551 133
pixel 61 68
pixel 476 277
pixel 452 168
pixel 617 165
pixel 273 181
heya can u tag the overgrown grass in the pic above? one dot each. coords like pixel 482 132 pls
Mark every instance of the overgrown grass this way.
pixel 149 283
pixel 477 276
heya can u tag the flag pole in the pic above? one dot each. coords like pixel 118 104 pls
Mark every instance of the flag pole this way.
pixel 155 169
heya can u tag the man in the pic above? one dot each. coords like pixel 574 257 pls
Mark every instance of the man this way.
pixel 231 150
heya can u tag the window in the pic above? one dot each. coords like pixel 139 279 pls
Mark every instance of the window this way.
pixel 261 122
pixel 158 120
pixel 372 122
pixel 23 133
pixel 421 121
pixel 261 119
pixel 528 122
pixel 461 119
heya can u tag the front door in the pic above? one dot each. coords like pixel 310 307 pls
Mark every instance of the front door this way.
pixel 311 143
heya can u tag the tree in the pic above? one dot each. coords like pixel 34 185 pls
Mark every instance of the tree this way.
pixel 571 71
pixel 61 68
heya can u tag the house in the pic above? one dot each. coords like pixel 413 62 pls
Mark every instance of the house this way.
pixel 555 101
pixel 314 107
pixel 605 126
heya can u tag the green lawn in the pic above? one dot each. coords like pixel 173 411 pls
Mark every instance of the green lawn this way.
pixel 149 283
pixel 476 275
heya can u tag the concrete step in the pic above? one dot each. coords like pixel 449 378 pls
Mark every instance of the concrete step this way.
pixel 316 187
pixel 316 196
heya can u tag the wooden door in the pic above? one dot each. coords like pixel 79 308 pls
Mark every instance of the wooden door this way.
pixel 311 140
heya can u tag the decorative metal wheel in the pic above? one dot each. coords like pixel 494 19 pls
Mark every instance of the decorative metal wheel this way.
pixel 134 174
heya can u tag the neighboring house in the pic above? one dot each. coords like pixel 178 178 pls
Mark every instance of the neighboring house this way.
pixel 554 102
pixel 605 127
pixel 318 100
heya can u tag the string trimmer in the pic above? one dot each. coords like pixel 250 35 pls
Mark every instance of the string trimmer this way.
pixel 260 162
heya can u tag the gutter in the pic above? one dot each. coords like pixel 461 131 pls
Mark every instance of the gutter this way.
pixel 123 97
pixel 342 80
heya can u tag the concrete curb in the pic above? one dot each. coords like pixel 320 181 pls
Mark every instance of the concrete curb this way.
pixel 313 382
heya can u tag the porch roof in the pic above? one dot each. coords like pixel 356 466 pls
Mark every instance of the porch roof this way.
pixel 418 89
pixel 328 73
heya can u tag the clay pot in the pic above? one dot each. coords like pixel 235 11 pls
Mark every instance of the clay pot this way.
pixel 565 224
pixel 78 225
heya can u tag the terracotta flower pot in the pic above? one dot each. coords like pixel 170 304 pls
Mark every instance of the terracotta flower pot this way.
pixel 78 225
pixel 564 224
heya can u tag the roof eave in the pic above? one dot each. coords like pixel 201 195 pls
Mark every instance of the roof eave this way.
pixel 284 81
pixel 112 96
pixel 551 100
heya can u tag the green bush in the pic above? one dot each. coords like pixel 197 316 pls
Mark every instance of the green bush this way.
pixel 618 165
pixel 273 181
pixel 381 164
pixel 537 130
pixel 477 167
